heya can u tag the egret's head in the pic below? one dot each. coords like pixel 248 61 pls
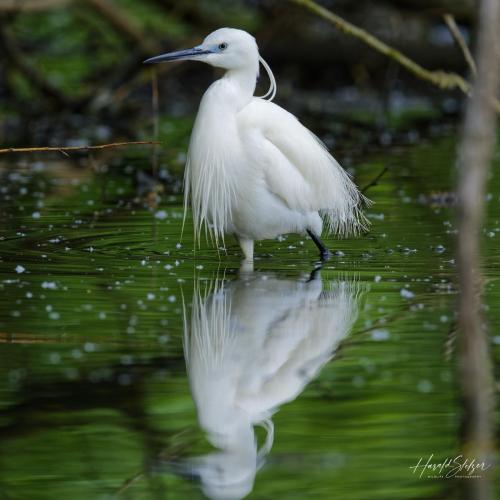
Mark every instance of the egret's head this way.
pixel 226 48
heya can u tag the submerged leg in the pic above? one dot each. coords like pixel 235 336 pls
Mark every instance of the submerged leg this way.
pixel 247 248
pixel 323 251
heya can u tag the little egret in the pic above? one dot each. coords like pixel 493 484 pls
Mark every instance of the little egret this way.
pixel 253 170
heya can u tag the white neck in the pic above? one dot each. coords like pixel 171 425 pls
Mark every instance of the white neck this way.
pixel 244 81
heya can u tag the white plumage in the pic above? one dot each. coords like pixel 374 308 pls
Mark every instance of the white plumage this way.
pixel 252 345
pixel 253 169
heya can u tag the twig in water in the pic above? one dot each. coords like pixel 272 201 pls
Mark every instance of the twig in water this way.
pixel 65 149
pixel 374 182
pixel 459 39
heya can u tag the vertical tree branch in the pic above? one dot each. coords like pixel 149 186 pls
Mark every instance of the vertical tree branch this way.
pixel 474 157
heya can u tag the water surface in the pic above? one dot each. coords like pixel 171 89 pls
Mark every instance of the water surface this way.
pixel 133 366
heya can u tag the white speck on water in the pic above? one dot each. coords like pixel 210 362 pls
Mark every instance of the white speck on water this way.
pixel 49 285
pixel 172 298
pixel 376 216
pixel 167 267
pixel 358 381
pixel 443 318
pixel 54 315
pixel 496 339
pixel 380 335
pixel 126 359
pixel 199 266
pixel 35 215
pixel 161 215
pixel 177 263
pixel 377 278
pixel 151 296
pixel 439 249
pixel 406 294
pixel 54 358
pixel 143 262
pixel 20 269
pixel 102 315
pixel 163 339
pixel 425 386
pixel 178 245
pixel 89 347
pixel 29 295
pixel 76 353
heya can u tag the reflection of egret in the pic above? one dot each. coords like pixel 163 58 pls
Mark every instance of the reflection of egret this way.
pixel 254 344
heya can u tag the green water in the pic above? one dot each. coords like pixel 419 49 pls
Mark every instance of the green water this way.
pixel 101 300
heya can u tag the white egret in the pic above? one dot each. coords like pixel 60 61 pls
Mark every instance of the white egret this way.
pixel 253 170
pixel 252 345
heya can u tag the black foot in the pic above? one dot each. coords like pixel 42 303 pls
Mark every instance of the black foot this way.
pixel 315 273
pixel 324 253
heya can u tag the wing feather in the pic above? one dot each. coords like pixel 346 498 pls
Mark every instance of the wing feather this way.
pixel 300 170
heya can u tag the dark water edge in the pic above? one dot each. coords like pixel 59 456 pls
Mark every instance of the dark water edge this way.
pixel 101 300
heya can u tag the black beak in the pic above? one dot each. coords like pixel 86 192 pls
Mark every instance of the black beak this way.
pixel 178 55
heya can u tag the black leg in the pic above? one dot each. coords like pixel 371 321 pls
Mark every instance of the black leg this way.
pixel 323 251
pixel 315 273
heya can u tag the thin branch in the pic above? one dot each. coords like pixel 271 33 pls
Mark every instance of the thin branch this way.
pixel 459 39
pixel 30 5
pixel 66 149
pixel 374 182
pixel 439 78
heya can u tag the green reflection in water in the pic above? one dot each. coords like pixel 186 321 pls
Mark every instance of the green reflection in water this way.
pixel 95 397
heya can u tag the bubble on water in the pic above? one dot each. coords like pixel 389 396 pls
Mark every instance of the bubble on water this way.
pixel 439 249
pixel 102 315
pixel 424 386
pixel 76 353
pixel 54 315
pixel 380 335
pixel 49 285
pixel 161 215
pixel 163 339
pixel 151 296
pixel 20 269
pixel 126 359
pixel 199 266
pixel 54 358
pixel 168 267
pixel 377 278
pixel 178 245
pixel 29 295
pixel 406 294
pixel 172 298
pixel 89 347
pixel 35 215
